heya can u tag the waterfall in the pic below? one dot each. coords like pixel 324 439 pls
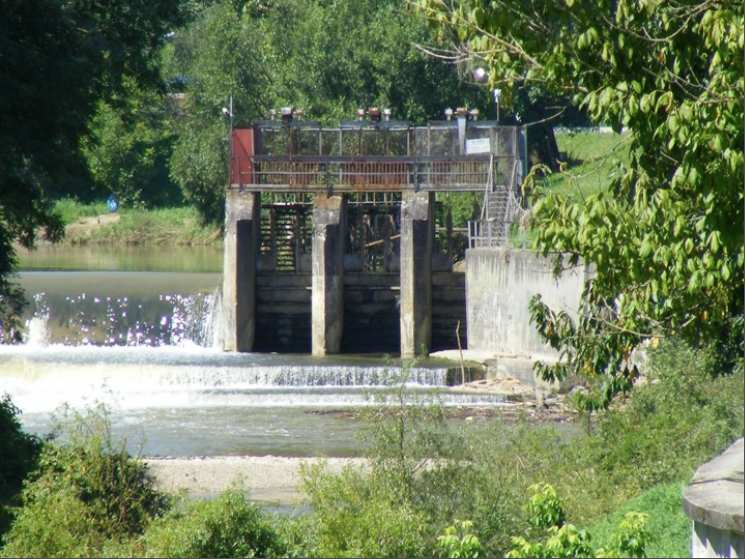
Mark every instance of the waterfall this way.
pixel 177 377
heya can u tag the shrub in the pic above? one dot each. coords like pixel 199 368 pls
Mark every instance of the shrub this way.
pixel 227 526
pixel 19 450
pixel 565 540
pixel 458 542
pixel 87 489
pixel 57 524
pixel 425 468
pixel 679 419
pixel 360 516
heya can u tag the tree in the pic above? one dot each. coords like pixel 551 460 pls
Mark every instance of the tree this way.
pixel 220 54
pixel 332 58
pixel 666 237
pixel 57 59
pixel 129 145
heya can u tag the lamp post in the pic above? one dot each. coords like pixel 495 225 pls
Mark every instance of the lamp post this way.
pixel 227 112
pixel 497 97
pixel 481 75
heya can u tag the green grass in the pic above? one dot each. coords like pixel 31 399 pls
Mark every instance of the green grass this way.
pixel 71 210
pixel 135 226
pixel 591 159
pixel 669 528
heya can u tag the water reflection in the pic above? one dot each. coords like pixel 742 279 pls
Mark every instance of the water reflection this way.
pixel 124 258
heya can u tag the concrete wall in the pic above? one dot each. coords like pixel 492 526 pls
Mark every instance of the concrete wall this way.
pixel 499 284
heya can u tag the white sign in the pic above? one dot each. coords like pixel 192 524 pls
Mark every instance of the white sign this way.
pixel 480 145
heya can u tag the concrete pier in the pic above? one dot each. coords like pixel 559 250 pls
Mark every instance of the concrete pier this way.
pixel 242 232
pixel 714 503
pixel 417 234
pixel 327 311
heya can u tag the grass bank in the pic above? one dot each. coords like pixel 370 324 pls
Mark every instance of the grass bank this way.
pixel 590 160
pixel 668 526
pixel 92 224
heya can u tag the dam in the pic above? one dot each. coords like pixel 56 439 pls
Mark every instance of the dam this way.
pixel 334 238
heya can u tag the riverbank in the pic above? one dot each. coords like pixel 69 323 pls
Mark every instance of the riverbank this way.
pixel 92 224
pixel 270 479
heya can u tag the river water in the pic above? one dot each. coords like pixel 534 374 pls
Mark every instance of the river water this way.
pixel 139 330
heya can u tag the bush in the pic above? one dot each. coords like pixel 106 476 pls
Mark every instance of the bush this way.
pixel 85 491
pixel 428 472
pixel 70 210
pixel 629 538
pixel 458 542
pixel 56 524
pixel 19 451
pixel 679 419
pixel 228 526
pixel 359 516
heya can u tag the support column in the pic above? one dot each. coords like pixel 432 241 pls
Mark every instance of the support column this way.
pixel 242 234
pixel 327 314
pixel 416 272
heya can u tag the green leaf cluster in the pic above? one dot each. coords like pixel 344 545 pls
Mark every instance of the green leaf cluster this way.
pixel 665 239
pixel 566 540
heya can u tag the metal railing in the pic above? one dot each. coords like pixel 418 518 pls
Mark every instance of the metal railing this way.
pixel 485 234
pixel 371 173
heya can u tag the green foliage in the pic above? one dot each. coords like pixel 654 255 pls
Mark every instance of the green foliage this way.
pixel 668 526
pixel 129 145
pixel 457 541
pixel 359 516
pixel 666 237
pixel 631 537
pixel 218 55
pixel 426 468
pixel 544 507
pixel 85 491
pixel 54 525
pixel 564 540
pixel 334 57
pixel 328 58
pixel 19 450
pixel 71 210
pixel 226 526
pixel 160 226
pixel 678 419
pixel 463 205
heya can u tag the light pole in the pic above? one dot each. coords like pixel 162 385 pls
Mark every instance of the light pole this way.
pixel 497 97
pixel 228 113
pixel 481 75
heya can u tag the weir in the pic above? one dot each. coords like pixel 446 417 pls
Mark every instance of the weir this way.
pixel 319 221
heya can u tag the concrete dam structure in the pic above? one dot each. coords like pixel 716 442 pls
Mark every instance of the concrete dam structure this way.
pixel 335 242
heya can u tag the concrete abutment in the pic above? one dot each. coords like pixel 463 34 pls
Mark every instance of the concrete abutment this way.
pixel 242 232
pixel 327 314
pixel 417 234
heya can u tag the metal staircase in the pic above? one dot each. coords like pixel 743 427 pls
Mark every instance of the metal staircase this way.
pixel 498 212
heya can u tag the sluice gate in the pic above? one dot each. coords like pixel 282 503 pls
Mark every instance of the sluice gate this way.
pixel 335 241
